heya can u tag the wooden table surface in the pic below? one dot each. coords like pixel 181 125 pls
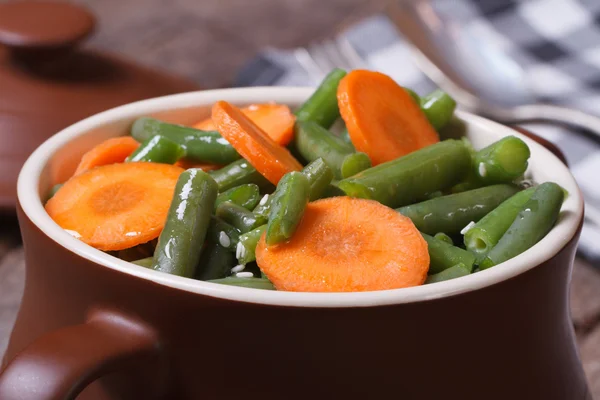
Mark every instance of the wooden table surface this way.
pixel 208 41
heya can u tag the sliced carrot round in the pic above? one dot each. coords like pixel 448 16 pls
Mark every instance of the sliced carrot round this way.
pixel 345 244
pixel 118 206
pixel 111 151
pixel 277 120
pixel 269 158
pixel 382 119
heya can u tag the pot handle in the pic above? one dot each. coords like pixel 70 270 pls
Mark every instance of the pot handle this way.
pixel 544 142
pixel 60 364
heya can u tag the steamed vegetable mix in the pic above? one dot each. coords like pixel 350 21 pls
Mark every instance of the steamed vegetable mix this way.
pixel 180 243
pixel 443 255
pixel 410 178
pixel 111 151
pixel 319 177
pixel 202 146
pixel 531 224
pixel 246 196
pixel 322 106
pixel 443 237
pixel 453 272
pixel 450 214
pixel 215 262
pixel 486 233
pixel 383 205
pixel 289 202
pixel 276 120
pixel 117 206
pixel 314 142
pixel 245 251
pixel 382 118
pixel 269 158
pixel 502 161
pixel 223 233
pixel 438 107
pixel 158 149
pixel 344 244
pixel 239 217
pixel 238 173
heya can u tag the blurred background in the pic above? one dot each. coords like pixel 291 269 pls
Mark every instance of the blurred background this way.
pixel 222 43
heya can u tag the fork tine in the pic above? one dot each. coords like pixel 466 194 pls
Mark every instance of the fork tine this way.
pixel 333 52
pixel 355 61
pixel 309 64
pixel 322 58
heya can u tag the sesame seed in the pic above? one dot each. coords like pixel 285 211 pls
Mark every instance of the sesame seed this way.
pixel 244 275
pixel 466 228
pixel 238 268
pixel 224 239
pixel 482 170
pixel 264 199
pixel 240 251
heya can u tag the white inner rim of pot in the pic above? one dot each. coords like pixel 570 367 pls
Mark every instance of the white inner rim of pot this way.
pixel 544 166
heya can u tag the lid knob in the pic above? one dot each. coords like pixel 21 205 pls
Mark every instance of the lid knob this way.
pixel 43 26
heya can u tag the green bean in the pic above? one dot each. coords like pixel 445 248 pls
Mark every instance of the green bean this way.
pixel 533 222
pixel 414 95
pixel 313 142
pixel 443 237
pixel 216 262
pixel 322 106
pixel 238 173
pixel 438 107
pixel 180 242
pixel 264 207
pixel 450 214
pixel 245 251
pixel 502 161
pixel 410 178
pixel 254 283
pixel 239 217
pixel 221 232
pixel 158 149
pixel 443 255
pixel 147 262
pixel 202 146
pixel 355 163
pixel 53 190
pixel 247 196
pixel 486 233
pixel 319 177
pixel 289 201
pixel 451 273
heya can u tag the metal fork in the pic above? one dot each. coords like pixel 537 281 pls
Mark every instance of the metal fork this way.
pixel 320 58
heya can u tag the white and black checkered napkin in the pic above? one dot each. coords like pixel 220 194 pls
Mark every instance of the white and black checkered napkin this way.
pixel 557 42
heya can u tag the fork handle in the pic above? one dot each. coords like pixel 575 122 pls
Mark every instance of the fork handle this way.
pixel 558 114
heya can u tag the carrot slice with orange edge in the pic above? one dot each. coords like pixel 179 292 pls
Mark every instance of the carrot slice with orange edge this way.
pixel 382 119
pixel 277 120
pixel 345 244
pixel 186 164
pixel 269 158
pixel 117 206
pixel 111 151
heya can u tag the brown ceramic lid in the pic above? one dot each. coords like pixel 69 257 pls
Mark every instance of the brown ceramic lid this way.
pixel 36 24
pixel 48 84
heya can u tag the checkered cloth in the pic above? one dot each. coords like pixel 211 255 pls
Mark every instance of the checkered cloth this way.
pixel 557 42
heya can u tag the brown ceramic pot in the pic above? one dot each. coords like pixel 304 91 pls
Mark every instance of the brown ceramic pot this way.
pixel 109 329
